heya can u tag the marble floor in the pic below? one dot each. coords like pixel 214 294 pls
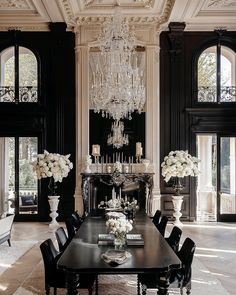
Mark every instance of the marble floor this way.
pixel 216 249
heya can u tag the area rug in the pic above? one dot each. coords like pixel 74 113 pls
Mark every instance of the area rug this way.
pixel 203 283
pixel 9 255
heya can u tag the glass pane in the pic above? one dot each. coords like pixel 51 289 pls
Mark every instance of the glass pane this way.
pixel 28 185
pixel 206 188
pixel 7 75
pixel 28 76
pixel 207 75
pixel 228 65
pixel 7 178
pixel 227 175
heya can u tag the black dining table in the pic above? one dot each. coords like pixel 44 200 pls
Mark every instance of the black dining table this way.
pixel 83 254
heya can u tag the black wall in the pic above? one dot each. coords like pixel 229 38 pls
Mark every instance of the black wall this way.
pixel 53 117
pixel 100 128
pixel 181 115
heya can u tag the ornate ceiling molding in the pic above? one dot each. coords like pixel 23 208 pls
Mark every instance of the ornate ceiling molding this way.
pixel 19 4
pixel 221 3
pixel 67 10
pixel 100 4
pixel 25 27
pixel 156 20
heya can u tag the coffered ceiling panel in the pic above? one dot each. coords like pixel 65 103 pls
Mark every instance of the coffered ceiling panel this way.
pixel 205 14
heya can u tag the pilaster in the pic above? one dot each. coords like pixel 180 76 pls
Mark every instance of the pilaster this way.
pixel 82 115
pixel 152 141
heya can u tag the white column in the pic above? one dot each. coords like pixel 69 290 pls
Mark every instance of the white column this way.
pixel 152 141
pixel 82 115
pixel 206 195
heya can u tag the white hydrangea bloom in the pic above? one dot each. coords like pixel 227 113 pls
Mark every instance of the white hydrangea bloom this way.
pixel 179 164
pixel 52 165
pixel 119 226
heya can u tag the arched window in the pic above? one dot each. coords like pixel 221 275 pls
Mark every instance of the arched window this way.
pixel 18 75
pixel 216 75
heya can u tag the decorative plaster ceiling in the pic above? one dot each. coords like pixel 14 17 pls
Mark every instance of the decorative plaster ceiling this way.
pixel 205 15
pixel 37 14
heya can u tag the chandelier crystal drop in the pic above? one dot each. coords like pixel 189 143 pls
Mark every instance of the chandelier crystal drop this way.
pixel 118 138
pixel 117 85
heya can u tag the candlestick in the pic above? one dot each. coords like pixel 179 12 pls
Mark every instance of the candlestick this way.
pixel 139 149
pixel 96 150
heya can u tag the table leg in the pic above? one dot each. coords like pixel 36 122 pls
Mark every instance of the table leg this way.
pixel 72 280
pixel 163 284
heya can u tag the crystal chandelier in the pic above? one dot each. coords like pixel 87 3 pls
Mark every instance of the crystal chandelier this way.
pixel 117 86
pixel 118 138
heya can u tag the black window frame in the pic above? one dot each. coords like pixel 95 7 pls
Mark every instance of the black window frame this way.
pixel 218 43
pixel 16 101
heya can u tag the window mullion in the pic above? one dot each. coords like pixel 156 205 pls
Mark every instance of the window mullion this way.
pixel 17 73
pixel 17 174
pixel 218 79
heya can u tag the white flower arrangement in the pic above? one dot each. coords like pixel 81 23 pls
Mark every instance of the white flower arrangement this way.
pixel 117 167
pixel 52 165
pixel 179 164
pixel 119 226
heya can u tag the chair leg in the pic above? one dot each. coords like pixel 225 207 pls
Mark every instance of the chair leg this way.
pixel 188 288
pixel 55 291
pixel 96 286
pixel 138 286
pixel 9 242
pixel 47 289
pixel 144 289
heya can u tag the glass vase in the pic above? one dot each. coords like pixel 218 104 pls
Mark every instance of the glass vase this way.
pixel 120 239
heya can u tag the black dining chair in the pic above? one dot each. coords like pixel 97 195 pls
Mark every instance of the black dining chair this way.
pixel 56 278
pixel 71 229
pixel 174 238
pixel 161 226
pixel 76 220
pixel 179 278
pixel 62 239
pixel 156 217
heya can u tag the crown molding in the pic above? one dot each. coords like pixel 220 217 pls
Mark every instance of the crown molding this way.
pixel 99 19
pixel 25 27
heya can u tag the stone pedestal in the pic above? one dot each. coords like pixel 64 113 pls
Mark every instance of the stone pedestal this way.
pixel 177 202
pixel 53 203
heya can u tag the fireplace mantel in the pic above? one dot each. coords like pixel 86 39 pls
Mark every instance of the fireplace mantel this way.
pixel 115 179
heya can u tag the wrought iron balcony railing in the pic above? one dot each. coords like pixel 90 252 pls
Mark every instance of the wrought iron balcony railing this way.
pixel 26 94
pixel 209 94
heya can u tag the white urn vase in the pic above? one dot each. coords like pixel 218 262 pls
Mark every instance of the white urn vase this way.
pixel 53 203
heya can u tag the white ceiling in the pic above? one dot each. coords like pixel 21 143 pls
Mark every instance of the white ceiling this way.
pixel 198 14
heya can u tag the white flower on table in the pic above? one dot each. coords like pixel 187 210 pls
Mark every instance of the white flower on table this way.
pixel 119 226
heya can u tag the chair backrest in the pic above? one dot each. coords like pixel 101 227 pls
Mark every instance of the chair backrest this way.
pixel 49 254
pixel 71 229
pixel 53 277
pixel 174 238
pixel 76 219
pixel 186 254
pixel 156 217
pixel 62 238
pixel 161 226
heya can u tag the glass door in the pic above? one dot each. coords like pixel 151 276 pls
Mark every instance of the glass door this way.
pixel 18 182
pixel 207 179
pixel 227 179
